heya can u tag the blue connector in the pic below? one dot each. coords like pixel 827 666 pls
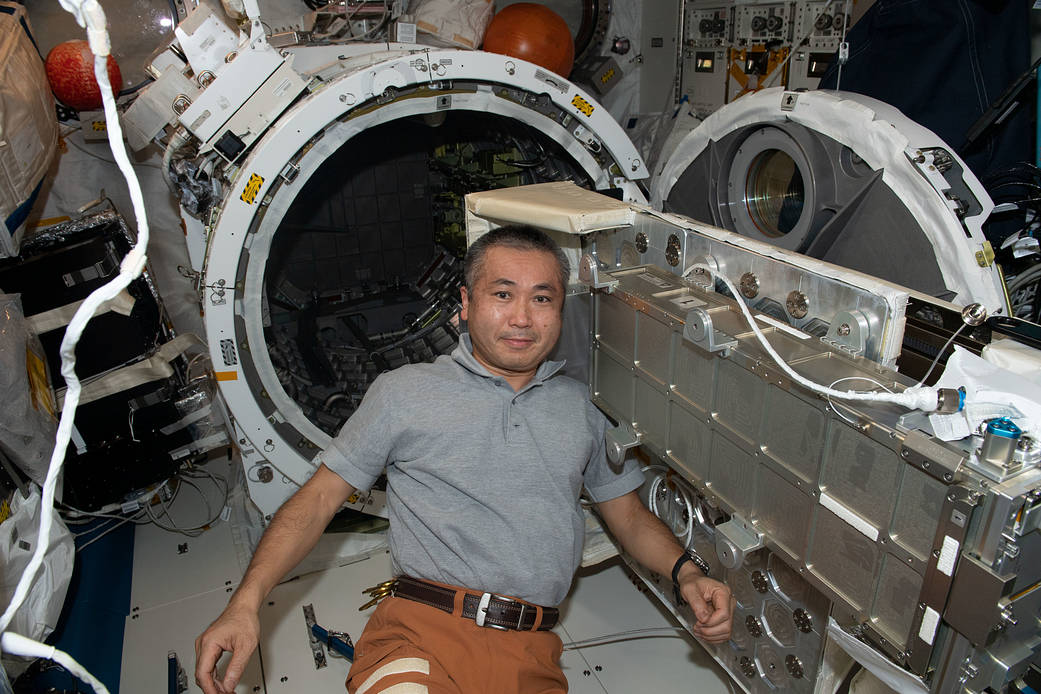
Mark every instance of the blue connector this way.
pixel 1004 427
pixel 335 640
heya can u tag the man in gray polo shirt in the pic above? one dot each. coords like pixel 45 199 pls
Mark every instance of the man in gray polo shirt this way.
pixel 486 453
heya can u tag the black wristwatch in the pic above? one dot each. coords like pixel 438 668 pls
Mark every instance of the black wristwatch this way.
pixel 693 557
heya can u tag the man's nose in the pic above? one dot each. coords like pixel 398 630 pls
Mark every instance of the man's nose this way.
pixel 520 314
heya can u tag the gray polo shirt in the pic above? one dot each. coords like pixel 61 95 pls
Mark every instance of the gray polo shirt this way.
pixel 483 482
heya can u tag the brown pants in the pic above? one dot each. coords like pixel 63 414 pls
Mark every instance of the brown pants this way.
pixel 411 648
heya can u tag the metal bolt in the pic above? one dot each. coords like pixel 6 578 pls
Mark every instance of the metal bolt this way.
pixel 749 285
pixel 798 304
pixel 844 330
pixel 974 314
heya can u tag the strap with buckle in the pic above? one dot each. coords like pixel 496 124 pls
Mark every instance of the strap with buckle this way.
pixel 486 609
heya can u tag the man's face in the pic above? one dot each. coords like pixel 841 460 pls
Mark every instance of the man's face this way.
pixel 514 311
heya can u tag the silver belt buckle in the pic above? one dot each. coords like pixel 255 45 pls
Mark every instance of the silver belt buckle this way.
pixel 482 612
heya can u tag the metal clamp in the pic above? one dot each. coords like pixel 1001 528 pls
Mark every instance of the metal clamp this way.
pixel 850 332
pixel 619 440
pixel 698 329
pixel 735 540
pixel 589 269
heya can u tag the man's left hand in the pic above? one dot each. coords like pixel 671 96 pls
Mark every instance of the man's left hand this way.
pixel 713 607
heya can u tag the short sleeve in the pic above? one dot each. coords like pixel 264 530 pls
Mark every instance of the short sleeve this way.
pixel 363 446
pixel 604 481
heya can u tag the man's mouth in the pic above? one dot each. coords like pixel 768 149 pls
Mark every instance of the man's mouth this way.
pixel 518 342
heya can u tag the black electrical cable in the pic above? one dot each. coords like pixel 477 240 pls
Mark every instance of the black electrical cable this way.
pixel 137 87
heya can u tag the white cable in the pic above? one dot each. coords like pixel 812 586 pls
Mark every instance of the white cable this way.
pixel 94 539
pixel 629 635
pixel 845 17
pixel 835 408
pixel 913 398
pixel 682 498
pixel 89 15
pixel 943 349
pixel 19 645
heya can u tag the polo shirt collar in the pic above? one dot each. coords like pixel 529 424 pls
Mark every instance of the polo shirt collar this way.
pixel 464 356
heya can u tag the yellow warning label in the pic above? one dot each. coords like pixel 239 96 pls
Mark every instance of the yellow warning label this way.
pixel 40 393
pixel 98 126
pixel 582 105
pixel 226 375
pixel 249 194
pixel 606 77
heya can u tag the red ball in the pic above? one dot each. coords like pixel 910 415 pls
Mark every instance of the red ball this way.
pixel 70 70
pixel 534 33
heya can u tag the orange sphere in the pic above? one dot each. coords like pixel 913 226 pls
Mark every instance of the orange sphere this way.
pixel 70 71
pixel 534 33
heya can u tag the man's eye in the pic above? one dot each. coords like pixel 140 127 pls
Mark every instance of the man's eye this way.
pixel 543 299
pixel 502 295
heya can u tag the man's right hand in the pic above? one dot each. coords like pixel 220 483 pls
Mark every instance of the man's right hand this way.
pixel 237 630
pixel 293 532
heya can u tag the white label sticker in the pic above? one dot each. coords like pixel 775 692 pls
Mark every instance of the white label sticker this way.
pixel 406 32
pixel 656 281
pixel 930 620
pixel 835 506
pixel 688 302
pixel 948 555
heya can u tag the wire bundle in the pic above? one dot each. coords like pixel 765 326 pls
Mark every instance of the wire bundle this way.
pixel 141 509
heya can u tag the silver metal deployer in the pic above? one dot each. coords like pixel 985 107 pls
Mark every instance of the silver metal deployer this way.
pixel 838 527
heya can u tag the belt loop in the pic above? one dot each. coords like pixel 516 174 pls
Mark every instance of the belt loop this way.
pixel 539 616
pixel 520 617
pixel 482 609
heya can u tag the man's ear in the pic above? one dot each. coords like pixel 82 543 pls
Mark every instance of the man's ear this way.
pixel 465 300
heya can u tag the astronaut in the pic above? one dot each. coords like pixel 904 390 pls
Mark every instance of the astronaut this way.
pixel 486 453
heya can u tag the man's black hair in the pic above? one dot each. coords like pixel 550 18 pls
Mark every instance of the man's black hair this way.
pixel 519 236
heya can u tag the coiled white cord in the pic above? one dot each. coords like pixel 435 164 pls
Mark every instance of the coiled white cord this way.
pixel 681 496
pixel 89 15
pixel 914 398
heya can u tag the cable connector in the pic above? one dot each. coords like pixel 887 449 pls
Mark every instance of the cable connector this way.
pixel 950 400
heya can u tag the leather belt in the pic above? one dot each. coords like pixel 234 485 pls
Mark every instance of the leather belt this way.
pixel 486 609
